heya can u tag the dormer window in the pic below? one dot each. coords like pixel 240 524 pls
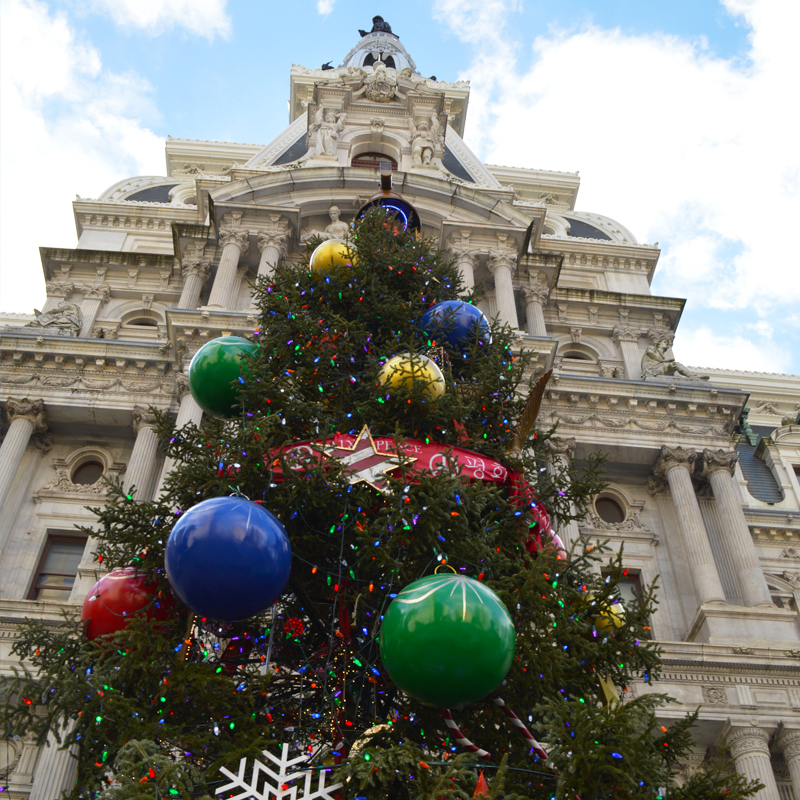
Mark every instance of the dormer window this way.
pixel 388 61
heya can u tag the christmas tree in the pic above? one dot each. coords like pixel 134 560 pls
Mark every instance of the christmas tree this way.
pixel 382 609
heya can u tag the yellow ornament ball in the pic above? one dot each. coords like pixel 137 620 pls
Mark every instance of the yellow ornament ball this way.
pixel 331 256
pixel 408 369
pixel 610 618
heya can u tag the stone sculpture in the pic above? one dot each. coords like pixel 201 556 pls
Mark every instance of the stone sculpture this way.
pixel 66 318
pixel 656 364
pixel 425 137
pixel 325 131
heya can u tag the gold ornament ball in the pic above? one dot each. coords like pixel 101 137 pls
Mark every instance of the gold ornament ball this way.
pixel 333 255
pixel 407 369
pixel 610 618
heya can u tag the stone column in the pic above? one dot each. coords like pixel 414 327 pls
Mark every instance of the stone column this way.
pixel 561 452
pixel 188 411
pixel 55 772
pixel 466 258
pixel 750 751
pixel 195 271
pixel 272 245
pixel 466 262
pixel 535 294
pixel 789 742
pixel 502 263
pixel 675 464
pixel 139 473
pixel 26 417
pixel 719 467
pixel 93 298
pixel 235 243
pixel 628 340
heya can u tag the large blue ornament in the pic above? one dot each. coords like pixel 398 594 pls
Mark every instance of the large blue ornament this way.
pixel 228 558
pixel 457 323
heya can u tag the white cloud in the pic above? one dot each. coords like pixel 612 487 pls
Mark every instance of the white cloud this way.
pixel 325 7
pixel 704 348
pixel 67 126
pixel 202 17
pixel 695 151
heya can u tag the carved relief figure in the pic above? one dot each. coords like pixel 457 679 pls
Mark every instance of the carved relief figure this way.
pixel 424 139
pixel 325 130
pixel 380 85
pixel 65 316
pixel 655 363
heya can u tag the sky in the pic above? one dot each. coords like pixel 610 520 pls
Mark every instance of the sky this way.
pixel 679 115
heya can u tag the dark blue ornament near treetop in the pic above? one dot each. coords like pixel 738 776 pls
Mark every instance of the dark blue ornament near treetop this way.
pixel 228 559
pixel 457 323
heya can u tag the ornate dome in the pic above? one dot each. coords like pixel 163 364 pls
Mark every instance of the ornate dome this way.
pixel 379 44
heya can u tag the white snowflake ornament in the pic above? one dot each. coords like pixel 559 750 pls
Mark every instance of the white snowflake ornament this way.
pixel 266 783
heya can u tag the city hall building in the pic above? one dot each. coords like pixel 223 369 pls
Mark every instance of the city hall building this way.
pixel 702 464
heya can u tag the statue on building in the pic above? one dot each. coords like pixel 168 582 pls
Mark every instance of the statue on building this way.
pixel 656 364
pixel 325 131
pixel 380 85
pixel 744 427
pixel 378 26
pixel 425 137
pixel 335 230
pixel 65 316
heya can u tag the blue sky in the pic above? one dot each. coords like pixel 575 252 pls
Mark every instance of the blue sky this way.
pixel 678 116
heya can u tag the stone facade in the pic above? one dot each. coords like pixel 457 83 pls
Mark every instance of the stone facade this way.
pixel 163 265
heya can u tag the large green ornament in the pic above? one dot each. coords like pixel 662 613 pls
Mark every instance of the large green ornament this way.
pixel 213 371
pixel 447 640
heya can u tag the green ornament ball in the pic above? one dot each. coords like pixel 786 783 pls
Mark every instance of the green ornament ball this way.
pixel 213 371
pixel 447 640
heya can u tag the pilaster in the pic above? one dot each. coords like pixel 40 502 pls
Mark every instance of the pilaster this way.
pixel 628 340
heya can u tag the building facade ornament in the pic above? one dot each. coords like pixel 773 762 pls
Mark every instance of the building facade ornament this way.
pixel 535 293
pixel 672 457
pixel 66 319
pixel 720 460
pixel 656 364
pixel 324 132
pixel 625 333
pixel 30 410
pixel 425 140
pixel 195 265
pixel 379 85
pixel 715 696
pixel 143 418
pixel 231 235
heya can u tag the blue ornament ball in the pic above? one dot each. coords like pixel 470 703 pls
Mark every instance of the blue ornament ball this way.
pixel 228 558
pixel 457 323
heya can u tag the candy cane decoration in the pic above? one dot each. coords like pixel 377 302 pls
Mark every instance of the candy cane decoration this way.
pixel 459 736
pixel 526 734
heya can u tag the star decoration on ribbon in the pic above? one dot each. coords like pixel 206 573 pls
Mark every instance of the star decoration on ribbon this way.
pixel 365 463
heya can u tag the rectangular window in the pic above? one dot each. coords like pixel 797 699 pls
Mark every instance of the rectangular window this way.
pixel 58 567
pixel 630 588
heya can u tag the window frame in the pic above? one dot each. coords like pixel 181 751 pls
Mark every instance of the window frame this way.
pixel 37 575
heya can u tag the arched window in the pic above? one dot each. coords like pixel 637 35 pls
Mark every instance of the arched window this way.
pixel 370 60
pixel 87 473
pixel 609 509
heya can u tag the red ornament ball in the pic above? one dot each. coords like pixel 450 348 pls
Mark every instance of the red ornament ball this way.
pixel 294 626
pixel 118 596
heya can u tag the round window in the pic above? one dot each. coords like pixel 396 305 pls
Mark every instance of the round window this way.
pixel 609 510
pixel 88 473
